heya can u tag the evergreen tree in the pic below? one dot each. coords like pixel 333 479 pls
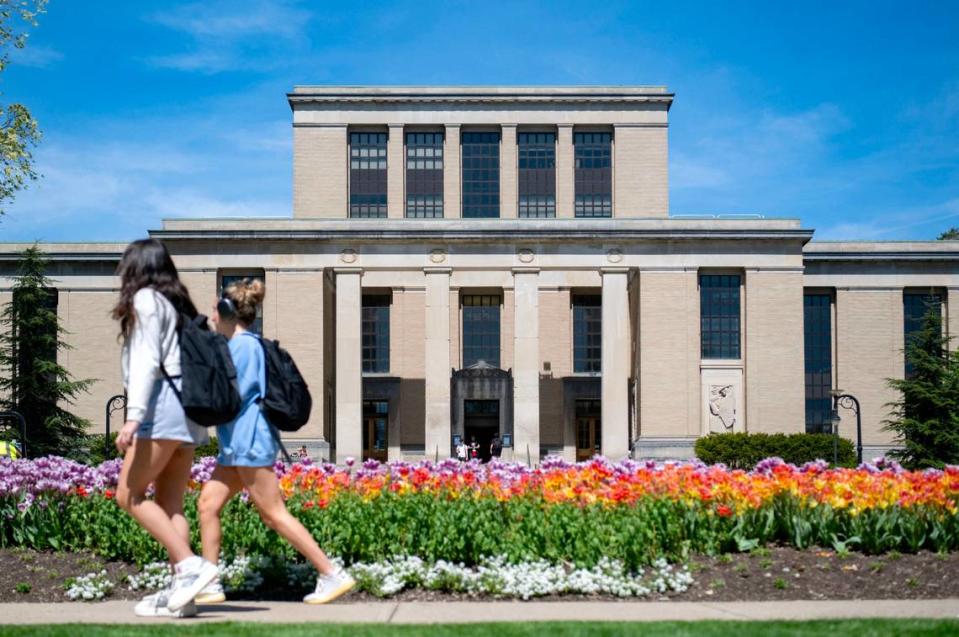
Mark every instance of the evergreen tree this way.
pixel 925 418
pixel 31 381
pixel 952 234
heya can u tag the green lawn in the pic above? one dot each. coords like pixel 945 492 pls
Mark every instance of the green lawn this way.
pixel 857 628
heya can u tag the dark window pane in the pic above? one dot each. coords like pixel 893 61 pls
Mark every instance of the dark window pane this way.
pixel 719 315
pixel 480 159
pixel 537 174
pixel 368 175
pixel 376 334
pixel 424 175
pixel 915 306
pixel 817 343
pixel 228 279
pixel 481 329
pixel 587 334
pixel 593 174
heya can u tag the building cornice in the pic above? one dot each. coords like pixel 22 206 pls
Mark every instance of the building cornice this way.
pixel 59 255
pixel 479 94
pixel 513 231
pixel 887 251
pixel 876 256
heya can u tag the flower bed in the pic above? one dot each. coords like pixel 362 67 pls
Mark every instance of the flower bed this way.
pixel 578 514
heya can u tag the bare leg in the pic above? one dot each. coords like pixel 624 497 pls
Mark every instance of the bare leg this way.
pixel 170 486
pixel 264 490
pixel 222 485
pixel 144 462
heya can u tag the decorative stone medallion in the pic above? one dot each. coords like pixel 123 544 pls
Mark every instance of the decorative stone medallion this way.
pixel 526 255
pixel 348 256
pixel 614 255
pixel 438 255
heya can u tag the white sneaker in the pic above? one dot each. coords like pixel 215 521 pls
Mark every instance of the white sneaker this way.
pixel 329 587
pixel 190 581
pixel 155 605
pixel 212 593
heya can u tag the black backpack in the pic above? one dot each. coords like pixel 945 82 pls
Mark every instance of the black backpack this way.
pixel 287 401
pixel 209 392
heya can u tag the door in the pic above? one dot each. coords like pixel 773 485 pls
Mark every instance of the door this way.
pixel 588 429
pixel 376 415
pixel 482 424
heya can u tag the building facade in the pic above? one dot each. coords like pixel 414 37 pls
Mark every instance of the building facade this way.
pixel 471 262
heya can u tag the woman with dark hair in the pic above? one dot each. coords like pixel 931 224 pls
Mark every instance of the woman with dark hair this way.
pixel 248 448
pixel 157 439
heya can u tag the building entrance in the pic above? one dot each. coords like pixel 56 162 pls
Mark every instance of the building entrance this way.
pixel 375 422
pixel 482 424
pixel 588 429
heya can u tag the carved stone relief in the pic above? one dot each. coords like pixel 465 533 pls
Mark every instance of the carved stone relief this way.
pixel 722 408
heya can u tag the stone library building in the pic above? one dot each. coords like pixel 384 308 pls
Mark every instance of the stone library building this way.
pixel 464 262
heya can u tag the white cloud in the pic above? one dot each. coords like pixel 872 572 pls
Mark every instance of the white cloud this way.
pixel 228 36
pixel 123 181
pixel 38 57
pixel 891 226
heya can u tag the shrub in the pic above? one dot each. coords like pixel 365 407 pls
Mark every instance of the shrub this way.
pixel 94 452
pixel 744 450
pixel 209 449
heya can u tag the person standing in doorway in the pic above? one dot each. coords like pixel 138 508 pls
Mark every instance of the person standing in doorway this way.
pixel 474 448
pixel 157 440
pixel 461 451
pixel 496 447
pixel 248 449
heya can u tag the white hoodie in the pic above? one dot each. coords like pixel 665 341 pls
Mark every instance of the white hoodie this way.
pixel 154 339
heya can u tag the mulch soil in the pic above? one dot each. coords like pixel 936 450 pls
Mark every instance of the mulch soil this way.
pixel 765 574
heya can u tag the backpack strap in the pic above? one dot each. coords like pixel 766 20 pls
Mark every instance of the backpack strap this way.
pixel 166 376
pixel 273 430
pixel 169 380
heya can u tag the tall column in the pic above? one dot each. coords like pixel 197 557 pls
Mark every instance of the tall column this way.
pixel 952 317
pixel 437 322
pixel 349 381
pixel 526 365
pixel 451 173
pixel 508 173
pixel 615 364
pixel 565 173
pixel 395 163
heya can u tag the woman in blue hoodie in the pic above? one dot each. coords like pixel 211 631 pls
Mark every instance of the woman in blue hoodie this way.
pixel 248 448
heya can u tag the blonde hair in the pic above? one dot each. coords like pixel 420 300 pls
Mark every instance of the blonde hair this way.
pixel 246 295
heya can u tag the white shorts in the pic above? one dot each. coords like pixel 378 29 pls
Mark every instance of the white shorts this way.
pixel 165 420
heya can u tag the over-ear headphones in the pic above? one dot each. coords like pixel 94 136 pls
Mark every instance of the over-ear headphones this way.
pixel 225 308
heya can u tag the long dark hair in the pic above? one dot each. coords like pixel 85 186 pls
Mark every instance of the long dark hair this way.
pixel 146 263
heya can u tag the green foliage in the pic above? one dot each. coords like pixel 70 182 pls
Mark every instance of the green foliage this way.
pixel 952 234
pixel 209 449
pixel 19 132
pixel 468 529
pixel 93 451
pixel 925 418
pixel 31 380
pixel 744 450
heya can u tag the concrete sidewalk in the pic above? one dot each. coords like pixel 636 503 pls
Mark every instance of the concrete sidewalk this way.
pixel 114 612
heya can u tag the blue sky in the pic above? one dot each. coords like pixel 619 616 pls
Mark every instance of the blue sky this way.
pixel 844 114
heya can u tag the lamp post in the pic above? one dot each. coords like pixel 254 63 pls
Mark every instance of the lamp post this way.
pixel 834 420
pixel 848 401
pixel 115 403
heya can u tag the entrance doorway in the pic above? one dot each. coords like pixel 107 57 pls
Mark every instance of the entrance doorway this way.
pixel 481 424
pixel 588 429
pixel 375 422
